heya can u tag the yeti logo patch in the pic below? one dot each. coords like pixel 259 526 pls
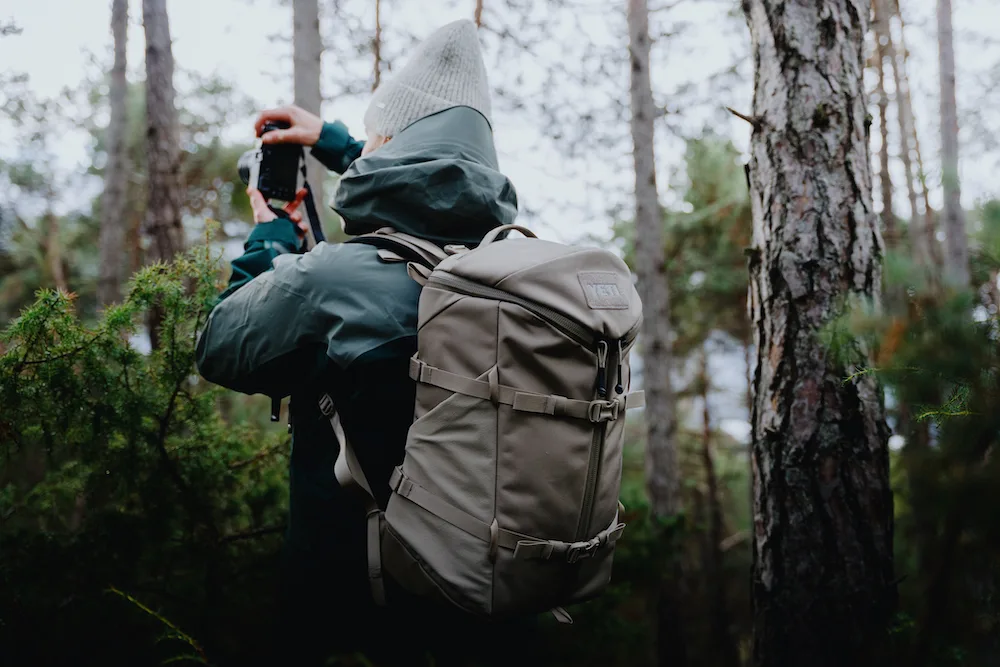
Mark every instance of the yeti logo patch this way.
pixel 603 291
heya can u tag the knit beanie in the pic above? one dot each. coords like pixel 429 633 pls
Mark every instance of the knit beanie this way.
pixel 446 70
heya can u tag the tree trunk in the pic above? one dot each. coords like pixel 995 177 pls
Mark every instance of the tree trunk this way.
pixel 721 621
pixel 307 58
pixel 823 591
pixel 53 253
pixel 478 16
pixel 930 222
pixel 662 472
pixel 885 179
pixel 661 449
pixel 956 241
pixel 113 204
pixel 163 213
pixel 904 116
pixel 377 46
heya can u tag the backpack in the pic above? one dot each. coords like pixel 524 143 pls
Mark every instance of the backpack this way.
pixel 506 500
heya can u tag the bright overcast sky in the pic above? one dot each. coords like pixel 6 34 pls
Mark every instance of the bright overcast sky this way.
pixel 231 38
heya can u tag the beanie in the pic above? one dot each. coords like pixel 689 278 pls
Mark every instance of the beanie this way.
pixel 446 70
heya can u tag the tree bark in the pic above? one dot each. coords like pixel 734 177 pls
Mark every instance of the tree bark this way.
pixel 823 591
pixel 721 620
pixel 113 203
pixel 956 241
pixel 885 178
pixel 377 46
pixel 307 62
pixel 904 115
pixel 930 223
pixel 662 471
pixel 163 212
pixel 478 16
pixel 661 449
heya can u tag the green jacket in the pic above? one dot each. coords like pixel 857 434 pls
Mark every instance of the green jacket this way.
pixel 337 319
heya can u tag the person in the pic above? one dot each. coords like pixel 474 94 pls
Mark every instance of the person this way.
pixel 338 320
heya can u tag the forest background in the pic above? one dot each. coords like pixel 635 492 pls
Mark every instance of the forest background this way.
pixel 137 503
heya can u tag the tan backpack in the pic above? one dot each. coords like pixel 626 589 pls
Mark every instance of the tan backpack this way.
pixel 506 501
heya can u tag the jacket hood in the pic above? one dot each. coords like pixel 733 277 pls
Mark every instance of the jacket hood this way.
pixel 438 179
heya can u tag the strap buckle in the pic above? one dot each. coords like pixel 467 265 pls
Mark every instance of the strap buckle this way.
pixel 326 405
pixel 603 411
pixel 579 550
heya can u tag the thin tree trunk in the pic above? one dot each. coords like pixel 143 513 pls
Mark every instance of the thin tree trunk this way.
pixel 721 620
pixel 478 16
pixel 823 590
pixel 53 252
pixel 904 116
pixel 163 209
pixel 885 178
pixel 662 473
pixel 307 55
pixel 113 202
pixel 377 46
pixel 661 459
pixel 956 241
pixel 930 221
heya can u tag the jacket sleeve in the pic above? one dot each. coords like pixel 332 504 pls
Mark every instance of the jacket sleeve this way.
pixel 254 340
pixel 336 148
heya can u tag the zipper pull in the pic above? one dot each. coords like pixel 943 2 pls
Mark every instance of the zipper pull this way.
pixel 602 369
pixel 619 389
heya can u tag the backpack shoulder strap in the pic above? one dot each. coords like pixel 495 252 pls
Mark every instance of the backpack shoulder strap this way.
pixel 405 246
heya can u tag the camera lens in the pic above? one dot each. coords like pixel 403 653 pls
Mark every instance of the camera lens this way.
pixel 243 166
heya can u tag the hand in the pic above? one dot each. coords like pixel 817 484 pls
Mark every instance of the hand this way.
pixel 261 212
pixel 305 127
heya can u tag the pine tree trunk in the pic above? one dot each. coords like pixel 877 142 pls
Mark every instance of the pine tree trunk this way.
pixel 721 620
pixel 163 213
pixel 53 253
pixel 930 222
pixel 662 472
pixel 904 115
pixel 113 203
pixel 885 178
pixel 478 15
pixel 307 57
pixel 956 241
pixel 661 449
pixel 823 589
pixel 377 47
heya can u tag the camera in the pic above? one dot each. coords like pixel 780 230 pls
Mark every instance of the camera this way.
pixel 274 169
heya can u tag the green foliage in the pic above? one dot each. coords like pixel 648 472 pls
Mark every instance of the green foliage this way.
pixel 119 471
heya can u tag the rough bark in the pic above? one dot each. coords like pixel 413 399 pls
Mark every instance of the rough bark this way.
pixel 377 46
pixel 885 178
pixel 307 54
pixel 113 202
pixel 721 620
pixel 822 583
pixel 661 449
pixel 956 241
pixel 163 211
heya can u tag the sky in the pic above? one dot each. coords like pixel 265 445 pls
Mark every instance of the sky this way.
pixel 236 39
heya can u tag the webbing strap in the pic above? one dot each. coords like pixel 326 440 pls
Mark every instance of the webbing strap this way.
pixel 429 254
pixel 571 551
pixel 418 495
pixel 357 475
pixel 523 401
pixel 524 546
